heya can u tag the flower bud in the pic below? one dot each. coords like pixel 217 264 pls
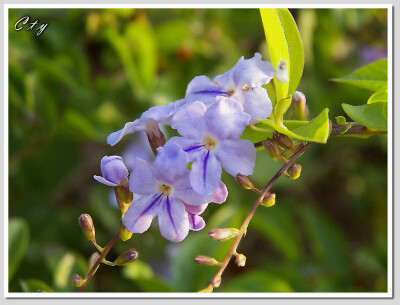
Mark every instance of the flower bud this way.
pixel 113 170
pixel 294 171
pixel 268 200
pixel 240 260
pixel 154 134
pixel 205 260
pixel 223 234
pixel 92 260
pixel 244 182
pixel 272 148
pixel 216 282
pixel 282 72
pixel 86 224
pixel 209 288
pixel 300 106
pixel 340 120
pixel 124 196
pixel 124 233
pixel 127 257
pixel 283 140
pixel 76 280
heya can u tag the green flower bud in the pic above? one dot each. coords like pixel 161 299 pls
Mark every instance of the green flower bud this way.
pixel 223 234
pixel 244 182
pixel 86 224
pixel 300 106
pixel 272 148
pixel 76 280
pixel 283 140
pixel 123 195
pixel 340 120
pixel 240 260
pixel 294 171
pixel 124 233
pixel 127 257
pixel 216 282
pixel 268 200
pixel 205 260
pixel 209 288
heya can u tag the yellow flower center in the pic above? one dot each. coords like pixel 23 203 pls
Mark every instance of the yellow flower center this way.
pixel 209 142
pixel 165 189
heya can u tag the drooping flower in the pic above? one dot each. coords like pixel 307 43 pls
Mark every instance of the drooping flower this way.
pixel 211 140
pixel 242 84
pixel 166 192
pixel 160 114
pixel 113 170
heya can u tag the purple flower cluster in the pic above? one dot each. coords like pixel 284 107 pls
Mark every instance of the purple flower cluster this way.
pixel 210 121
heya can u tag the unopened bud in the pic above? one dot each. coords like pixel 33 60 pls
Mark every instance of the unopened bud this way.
pixel 294 171
pixel 244 182
pixel 124 233
pixel 205 260
pixel 127 257
pixel 76 280
pixel 155 136
pixel 268 200
pixel 209 288
pixel 86 224
pixel 240 260
pixel 216 282
pixel 282 72
pixel 223 234
pixel 283 140
pixel 123 195
pixel 92 260
pixel 340 120
pixel 272 148
pixel 300 105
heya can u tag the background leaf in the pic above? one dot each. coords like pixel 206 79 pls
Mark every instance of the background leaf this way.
pixel 369 115
pixel 371 77
pixel 379 96
pixel 34 285
pixel 18 240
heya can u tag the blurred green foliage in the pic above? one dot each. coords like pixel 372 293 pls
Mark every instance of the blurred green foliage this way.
pixel 93 70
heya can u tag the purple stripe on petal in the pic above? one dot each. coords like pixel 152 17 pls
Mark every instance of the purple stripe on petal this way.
pixel 193 148
pixel 168 206
pixel 149 206
pixel 205 167
pixel 217 92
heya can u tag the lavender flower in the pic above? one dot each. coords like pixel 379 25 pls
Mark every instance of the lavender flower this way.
pixel 166 192
pixel 242 84
pixel 211 139
pixel 113 170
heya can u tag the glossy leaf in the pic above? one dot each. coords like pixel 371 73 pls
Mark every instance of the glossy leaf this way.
pixel 379 96
pixel 35 285
pixel 373 115
pixel 372 76
pixel 316 130
pixel 18 240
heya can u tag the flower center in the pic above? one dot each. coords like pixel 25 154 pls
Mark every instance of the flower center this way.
pixel 209 142
pixel 165 189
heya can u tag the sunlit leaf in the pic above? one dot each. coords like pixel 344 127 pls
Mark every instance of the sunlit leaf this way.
pixel 35 285
pixel 371 77
pixel 18 240
pixel 373 115
pixel 379 96
pixel 69 264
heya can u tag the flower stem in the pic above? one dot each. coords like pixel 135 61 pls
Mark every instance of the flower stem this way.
pixel 245 224
pixel 103 254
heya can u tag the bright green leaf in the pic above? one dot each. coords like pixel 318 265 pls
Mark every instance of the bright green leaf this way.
pixel 35 285
pixel 379 96
pixel 69 264
pixel 373 115
pixel 18 240
pixel 372 76
pixel 316 130
pixel 341 120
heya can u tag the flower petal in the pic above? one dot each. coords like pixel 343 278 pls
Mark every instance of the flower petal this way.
pixel 220 194
pixel 255 102
pixel 189 121
pixel 113 169
pixel 173 220
pixel 195 209
pixel 184 192
pixel 237 156
pixel 196 222
pixel 205 175
pixel 226 119
pixel 104 181
pixel 129 127
pixel 194 148
pixel 140 214
pixel 139 148
pixel 201 88
pixel 142 180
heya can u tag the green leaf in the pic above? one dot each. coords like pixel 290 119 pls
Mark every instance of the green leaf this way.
pixel 371 77
pixel 379 96
pixel 340 120
pixel 34 285
pixel 316 130
pixel 257 281
pixel 373 115
pixel 69 264
pixel 18 240
pixel 284 43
